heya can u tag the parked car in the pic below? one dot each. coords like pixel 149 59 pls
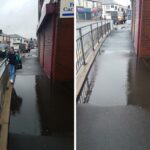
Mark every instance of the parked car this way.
pixel 3 50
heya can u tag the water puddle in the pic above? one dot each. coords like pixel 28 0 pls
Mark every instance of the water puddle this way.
pixel 38 109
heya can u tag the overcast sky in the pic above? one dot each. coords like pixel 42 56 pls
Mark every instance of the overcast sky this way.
pixel 19 17
pixel 124 2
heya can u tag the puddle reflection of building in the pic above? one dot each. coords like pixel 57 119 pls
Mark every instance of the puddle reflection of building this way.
pixel 55 104
pixel 139 84
pixel 16 102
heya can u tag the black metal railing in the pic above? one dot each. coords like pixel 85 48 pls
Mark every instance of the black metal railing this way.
pixel 4 77
pixel 87 39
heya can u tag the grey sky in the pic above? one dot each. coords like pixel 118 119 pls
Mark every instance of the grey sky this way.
pixel 19 17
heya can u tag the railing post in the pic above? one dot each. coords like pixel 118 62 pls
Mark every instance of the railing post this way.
pixel 82 48
pixel 105 26
pixel 3 79
pixel 102 28
pixel 108 27
pixel 98 33
pixel 92 37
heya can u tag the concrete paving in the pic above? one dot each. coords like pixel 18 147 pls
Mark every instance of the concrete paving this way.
pixel 117 114
pixel 41 110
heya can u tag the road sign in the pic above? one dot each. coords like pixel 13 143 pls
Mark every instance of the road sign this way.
pixel 67 9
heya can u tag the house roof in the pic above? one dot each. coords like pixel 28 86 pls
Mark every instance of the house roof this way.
pixel 16 36
pixel 3 34
pixel 108 2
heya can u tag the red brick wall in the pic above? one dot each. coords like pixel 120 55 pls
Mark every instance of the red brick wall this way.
pixel 141 28
pixel 48 42
pixel 136 28
pixel 145 30
pixel 41 47
pixel 45 36
pixel 136 24
pixel 56 44
pixel 64 58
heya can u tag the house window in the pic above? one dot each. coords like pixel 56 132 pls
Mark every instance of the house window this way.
pixel 107 6
pixel 115 7
pixel 86 4
pixel 112 6
pixel 79 2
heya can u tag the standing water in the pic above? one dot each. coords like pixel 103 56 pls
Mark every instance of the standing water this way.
pixel 41 110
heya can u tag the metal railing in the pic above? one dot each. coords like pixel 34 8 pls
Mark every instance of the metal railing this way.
pixel 87 87
pixel 87 39
pixel 4 76
pixel 3 65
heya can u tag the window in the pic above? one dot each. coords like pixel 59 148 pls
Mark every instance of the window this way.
pixel 115 7
pixel 112 6
pixel 107 6
pixel 80 2
pixel 86 4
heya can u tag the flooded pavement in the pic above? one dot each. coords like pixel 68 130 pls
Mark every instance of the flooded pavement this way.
pixel 111 70
pixel 41 110
pixel 115 115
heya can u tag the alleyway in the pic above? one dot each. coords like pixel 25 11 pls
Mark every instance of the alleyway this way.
pixel 41 119
pixel 117 114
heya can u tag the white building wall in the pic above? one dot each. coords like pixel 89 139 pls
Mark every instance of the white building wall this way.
pixel 1 39
pixel 109 8
pixel 15 42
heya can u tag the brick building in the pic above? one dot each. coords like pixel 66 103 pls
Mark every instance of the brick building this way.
pixel 55 40
pixel 56 48
pixel 141 27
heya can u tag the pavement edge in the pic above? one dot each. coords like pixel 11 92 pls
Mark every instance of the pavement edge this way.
pixel 5 117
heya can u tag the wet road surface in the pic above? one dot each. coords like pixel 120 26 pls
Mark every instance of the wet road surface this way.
pixel 116 115
pixel 41 110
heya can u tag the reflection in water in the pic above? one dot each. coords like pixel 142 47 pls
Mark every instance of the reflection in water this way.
pixel 137 86
pixel 55 106
pixel 139 83
pixel 108 86
pixel 16 102
pixel 87 87
pixel 47 107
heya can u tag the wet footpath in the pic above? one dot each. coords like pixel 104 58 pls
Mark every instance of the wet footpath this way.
pixel 41 110
pixel 116 112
